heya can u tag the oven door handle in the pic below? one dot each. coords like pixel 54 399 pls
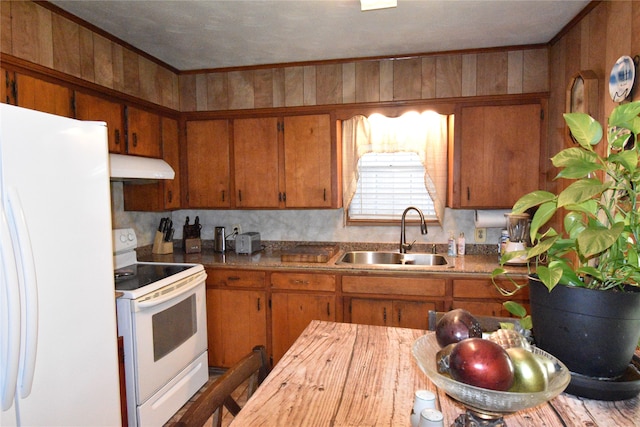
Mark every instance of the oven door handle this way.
pixel 182 287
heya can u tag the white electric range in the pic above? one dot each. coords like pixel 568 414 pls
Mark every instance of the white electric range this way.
pixel 162 319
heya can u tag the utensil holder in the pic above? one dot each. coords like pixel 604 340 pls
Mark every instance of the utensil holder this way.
pixel 192 246
pixel 160 246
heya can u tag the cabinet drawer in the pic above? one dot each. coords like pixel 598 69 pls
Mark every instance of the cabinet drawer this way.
pixel 303 281
pixel 484 288
pixel 236 278
pixel 394 285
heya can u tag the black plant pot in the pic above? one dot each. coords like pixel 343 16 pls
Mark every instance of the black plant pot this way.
pixel 595 333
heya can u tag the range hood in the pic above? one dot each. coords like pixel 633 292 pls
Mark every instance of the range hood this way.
pixel 127 168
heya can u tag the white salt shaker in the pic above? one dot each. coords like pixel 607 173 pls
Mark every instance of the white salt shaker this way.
pixel 424 399
pixel 430 417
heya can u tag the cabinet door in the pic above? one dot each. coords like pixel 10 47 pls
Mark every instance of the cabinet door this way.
pixel 412 314
pixel 90 107
pixel 479 296
pixel 164 194
pixel 236 322
pixel 255 148
pixel 377 312
pixel 307 161
pixel 7 87
pixel 291 313
pixel 399 313
pixel 507 138
pixel 171 154
pixel 143 133
pixel 208 179
pixel 44 96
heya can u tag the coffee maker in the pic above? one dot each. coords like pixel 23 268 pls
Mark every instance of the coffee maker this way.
pixel 518 228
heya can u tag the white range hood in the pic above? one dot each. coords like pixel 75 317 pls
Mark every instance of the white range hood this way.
pixel 125 168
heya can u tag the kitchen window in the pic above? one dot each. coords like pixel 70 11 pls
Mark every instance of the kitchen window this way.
pixel 392 163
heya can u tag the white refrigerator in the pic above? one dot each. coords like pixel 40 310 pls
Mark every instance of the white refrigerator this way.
pixel 59 357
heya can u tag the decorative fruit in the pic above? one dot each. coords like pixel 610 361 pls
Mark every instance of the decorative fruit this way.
pixel 455 326
pixel 529 374
pixel 508 338
pixel 481 363
pixel 442 358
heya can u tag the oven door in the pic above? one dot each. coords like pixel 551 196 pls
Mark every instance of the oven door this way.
pixel 170 332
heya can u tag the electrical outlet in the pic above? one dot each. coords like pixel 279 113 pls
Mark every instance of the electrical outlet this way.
pixel 237 229
pixel 481 235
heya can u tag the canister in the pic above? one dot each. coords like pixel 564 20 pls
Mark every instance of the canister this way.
pixel 219 243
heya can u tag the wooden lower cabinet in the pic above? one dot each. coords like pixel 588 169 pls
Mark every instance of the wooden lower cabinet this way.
pixel 292 312
pixel 480 297
pixel 248 307
pixel 236 322
pixel 385 312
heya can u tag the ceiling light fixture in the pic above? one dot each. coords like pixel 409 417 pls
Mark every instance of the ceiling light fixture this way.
pixel 377 4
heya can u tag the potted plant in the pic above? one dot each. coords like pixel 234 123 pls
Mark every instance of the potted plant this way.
pixel 587 276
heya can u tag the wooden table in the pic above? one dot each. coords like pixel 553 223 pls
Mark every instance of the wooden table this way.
pixel 340 374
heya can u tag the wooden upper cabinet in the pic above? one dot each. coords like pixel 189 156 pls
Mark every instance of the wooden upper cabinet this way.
pixel 256 161
pixel 7 87
pixel 307 161
pixel 143 133
pixel 496 154
pixel 89 107
pixel 208 181
pixel 42 95
pixel 164 194
pixel 171 154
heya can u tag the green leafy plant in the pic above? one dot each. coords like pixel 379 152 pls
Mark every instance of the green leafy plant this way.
pixel 599 244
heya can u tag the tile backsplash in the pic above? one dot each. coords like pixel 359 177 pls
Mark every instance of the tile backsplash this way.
pixel 321 225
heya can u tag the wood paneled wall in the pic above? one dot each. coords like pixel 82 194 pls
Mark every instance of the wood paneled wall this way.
pixel 34 33
pixel 454 75
pixel 610 30
pixel 37 34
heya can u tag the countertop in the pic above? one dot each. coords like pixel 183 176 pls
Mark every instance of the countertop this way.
pixel 270 258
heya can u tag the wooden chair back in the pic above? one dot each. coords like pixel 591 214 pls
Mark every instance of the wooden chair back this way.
pixel 253 367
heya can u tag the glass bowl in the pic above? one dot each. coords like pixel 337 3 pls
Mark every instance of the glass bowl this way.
pixel 484 401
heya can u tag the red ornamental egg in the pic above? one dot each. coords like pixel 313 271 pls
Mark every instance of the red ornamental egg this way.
pixel 481 363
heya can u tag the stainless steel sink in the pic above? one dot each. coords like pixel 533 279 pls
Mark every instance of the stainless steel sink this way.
pixel 392 258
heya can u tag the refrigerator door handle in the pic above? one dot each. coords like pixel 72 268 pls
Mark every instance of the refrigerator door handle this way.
pixel 10 309
pixel 20 230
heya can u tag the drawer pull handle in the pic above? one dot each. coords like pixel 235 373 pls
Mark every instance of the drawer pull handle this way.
pixel 328 309
pixel 233 278
pixel 301 282
pixel 258 304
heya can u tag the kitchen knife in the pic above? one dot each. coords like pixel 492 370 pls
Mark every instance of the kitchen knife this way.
pixel 162 224
pixel 169 227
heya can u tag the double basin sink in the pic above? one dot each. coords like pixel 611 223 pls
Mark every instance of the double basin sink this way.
pixel 392 258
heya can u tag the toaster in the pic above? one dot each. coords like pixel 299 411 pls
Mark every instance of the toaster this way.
pixel 248 243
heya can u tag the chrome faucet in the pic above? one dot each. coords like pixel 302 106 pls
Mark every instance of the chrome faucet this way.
pixel 404 247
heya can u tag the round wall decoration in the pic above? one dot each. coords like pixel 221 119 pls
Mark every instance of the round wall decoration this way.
pixel 621 79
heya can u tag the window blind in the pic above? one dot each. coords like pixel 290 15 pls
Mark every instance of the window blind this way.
pixel 387 184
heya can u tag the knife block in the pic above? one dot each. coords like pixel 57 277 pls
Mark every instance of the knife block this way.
pixel 160 246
